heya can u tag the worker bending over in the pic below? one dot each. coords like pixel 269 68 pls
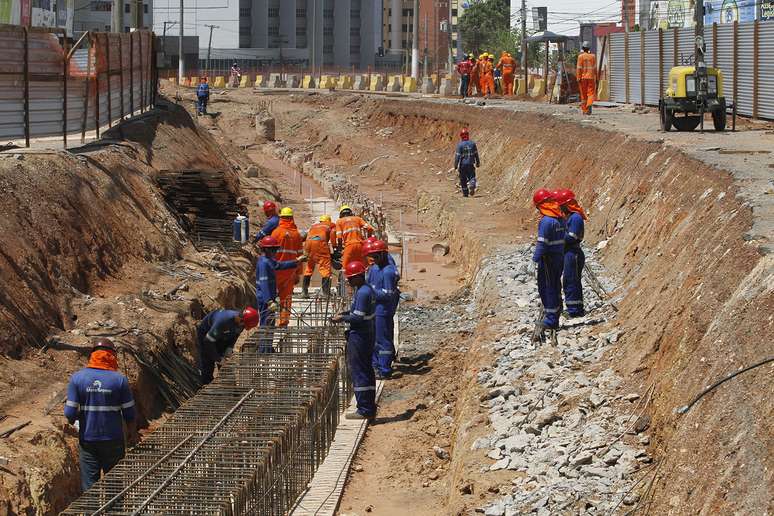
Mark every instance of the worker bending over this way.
pixel 586 73
pixel 317 247
pixel 465 161
pixel 217 334
pixel 99 400
pixel 350 231
pixel 360 340
pixel 549 258
pixel 574 259
pixel 383 278
pixel 290 248
pixel 272 221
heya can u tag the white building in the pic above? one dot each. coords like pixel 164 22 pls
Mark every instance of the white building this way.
pixel 95 15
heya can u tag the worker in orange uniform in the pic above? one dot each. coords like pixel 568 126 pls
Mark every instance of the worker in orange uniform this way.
pixel 318 248
pixel 290 249
pixel 586 73
pixel 507 65
pixel 349 236
pixel 474 85
pixel 487 75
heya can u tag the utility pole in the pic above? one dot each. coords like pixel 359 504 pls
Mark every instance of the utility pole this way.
pixel 524 43
pixel 136 14
pixel 415 42
pixel 451 43
pixel 180 57
pixel 164 41
pixel 424 74
pixel 702 81
pixel 117 18
pixel 313 55
pixel 209 45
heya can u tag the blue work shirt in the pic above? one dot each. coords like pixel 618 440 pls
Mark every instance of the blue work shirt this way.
pixel 220 328
pixel 268 226
pixel 266 277
pixel 550 239
pixel 361 314
pixel 99 399
pixel 575 227
pixel 466 154
pixel 384 281
pixel 203 90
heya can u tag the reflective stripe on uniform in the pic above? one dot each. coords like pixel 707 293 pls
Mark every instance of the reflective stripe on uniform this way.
pixel 350 230
pixel 573 302
pixel 385 352
pixel 263 278
pixel 358 312
pixel 288 251
pixel 550 242
pixel 101 408
pixel 570 233
pixel 551 310
pixel 73 404
pixel 367 388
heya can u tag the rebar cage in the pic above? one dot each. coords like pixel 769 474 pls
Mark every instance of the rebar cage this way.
pixel 249 442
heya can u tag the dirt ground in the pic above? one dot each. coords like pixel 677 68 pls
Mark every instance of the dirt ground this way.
pixel 671 229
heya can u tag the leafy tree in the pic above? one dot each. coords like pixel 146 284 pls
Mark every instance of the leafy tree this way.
pixel 483 24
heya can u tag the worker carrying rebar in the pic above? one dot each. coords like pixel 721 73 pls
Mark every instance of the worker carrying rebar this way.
pixel 202 96
pixel 549 259
pixel 465 162
pixel 586 74
pixel 507 65
pixel 360 340
pixel 574 258
pixel 383 278
pixel 216 335
pixel 317 247
pixel 99 401
pixel 290 248
pixel 350 232
pixel 272 221
pixel 464 68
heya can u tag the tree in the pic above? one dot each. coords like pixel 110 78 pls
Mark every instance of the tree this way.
pixel 485 24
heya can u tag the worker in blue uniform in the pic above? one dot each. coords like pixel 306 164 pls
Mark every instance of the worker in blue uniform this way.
pixel 549 260
pixel 272 221
pixel 574 258
pixel 217 334
pixel 360 340
pixel 383 278
pixel 202 96
pixel 267 300
pixel 99 400
pixel 465 161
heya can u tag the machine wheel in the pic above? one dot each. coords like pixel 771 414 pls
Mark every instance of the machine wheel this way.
pixel 686 123
pixel 666 117
pixel 719 119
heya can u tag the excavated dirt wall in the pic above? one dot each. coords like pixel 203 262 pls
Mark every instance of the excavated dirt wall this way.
pixel 697 293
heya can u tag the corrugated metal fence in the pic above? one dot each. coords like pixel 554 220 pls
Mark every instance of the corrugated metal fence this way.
pixel 50 90
pixel 640 63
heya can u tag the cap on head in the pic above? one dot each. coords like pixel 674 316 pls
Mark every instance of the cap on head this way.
pixel 103 343
pixel 250 317
pixel 354 269
pixel 325 218
pixel 542 195
pixel 286 212
pixel 269 242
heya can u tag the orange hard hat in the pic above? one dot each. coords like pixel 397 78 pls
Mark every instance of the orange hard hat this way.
pixel 377 246
pixel 354 269
pixel 563 196
pixel 250 317
pixel 268 242
pixel 542 195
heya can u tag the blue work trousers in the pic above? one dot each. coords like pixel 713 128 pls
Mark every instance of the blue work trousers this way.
pixel 384 351
pixel 208 357
pixel 201 105
pixel 464 82
pixel 467 175
pixel 574 261
pixel 97 457
pixel 268 320
pixel 360 349
pixel 550 288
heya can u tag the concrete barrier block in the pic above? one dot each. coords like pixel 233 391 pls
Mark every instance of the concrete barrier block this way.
pixel 220 82
pixel 377 83
pixel 393 84
pixel 275 81
pixel 172 80
pixel 308 82
pixel 409 85
pixel 428 86
pixel 603 90
pixel 447 88
pixel 327 82
pixel 520 89
pixel 260 81
pixel 360 82
pixel 537 88
pixel 293 81
pixel 244 81
pixel 345 82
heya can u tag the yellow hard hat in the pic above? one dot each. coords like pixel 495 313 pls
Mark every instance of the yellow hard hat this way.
pixel 286 212
pixel 344 207
pixel 325 218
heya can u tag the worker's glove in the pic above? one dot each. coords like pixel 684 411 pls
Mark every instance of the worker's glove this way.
pixel 532 269
pixel 303 258
pixel 77 425
pixel 273 306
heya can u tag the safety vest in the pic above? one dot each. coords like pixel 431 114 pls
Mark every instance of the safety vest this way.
pixel 289 240
pixel 350 229
pixel 587 66
pixel 320 231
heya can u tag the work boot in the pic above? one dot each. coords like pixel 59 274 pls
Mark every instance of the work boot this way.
pixel 326 287
pixel 305 287
pixel 356 415
pixel 551 337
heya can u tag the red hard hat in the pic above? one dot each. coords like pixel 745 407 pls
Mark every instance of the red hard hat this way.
pixel 269 207
pixel 563 196
pixel 541 195
pixel 376 247
pixel 464 133
pixel 367 247
pixel 354 269
pixel 268 242
pixel 371 239
pixel 250 317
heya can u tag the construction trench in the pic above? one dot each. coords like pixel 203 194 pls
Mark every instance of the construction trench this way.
pixel 128 242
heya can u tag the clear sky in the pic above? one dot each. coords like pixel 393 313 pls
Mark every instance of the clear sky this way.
pixel 564 15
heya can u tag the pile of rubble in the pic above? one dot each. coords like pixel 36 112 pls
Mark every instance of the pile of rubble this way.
pixel 560 422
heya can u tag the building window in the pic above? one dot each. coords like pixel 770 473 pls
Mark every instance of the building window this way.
pixel 243 31
pixel 244 12
pixel 355 13
pixel 328 49
pixel 328 13
pixel 145 8
pixel 328 31
pixel 127 9
pixel 274 12
pixel 126 29
pixel 101 6
pixel 354 31
pixel 274 31
pixel 300 31
pixel 300 13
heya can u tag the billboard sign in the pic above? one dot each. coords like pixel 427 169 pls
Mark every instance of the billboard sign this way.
pixel 540 19
pixel 728 11
pixel 670 14
pixel 767 10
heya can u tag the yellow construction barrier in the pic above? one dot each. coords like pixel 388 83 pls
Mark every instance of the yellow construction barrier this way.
pixel 394 83
pixel 308 82
pixel 184 81
pixel 603 90
pixel 537 89
pixel 327 82
pixel 345 82
pixel 193 81
pixel 243 81
pixel 258 81
pixel 409 85
pixel 172 80
pixel 520 90
pixel 220 82
pixel 377 83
